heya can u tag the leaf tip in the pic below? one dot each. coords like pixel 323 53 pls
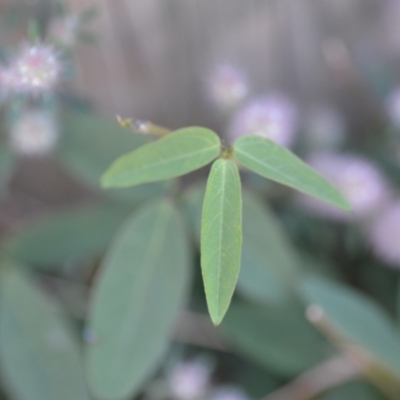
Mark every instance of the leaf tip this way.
pixel 216 319
pixel 217 316
pixel 105 181
pixel 347 207
pixel 343 203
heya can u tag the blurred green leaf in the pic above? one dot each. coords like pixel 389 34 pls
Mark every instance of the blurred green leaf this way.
pixel 357 390
pixel 87 37
pixel 34 32
pixel 7 163
pixel 277 337
pixel 66 235
pixel 192 202
pixel 268 258
pixel 89 14
pixel 279 164
pixel 39 354
pixel 176 154
pixel 137 298
pixel 221 236
pixel 356 318
pixel 91 143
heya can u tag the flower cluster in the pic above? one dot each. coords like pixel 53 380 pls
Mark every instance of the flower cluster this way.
pixel 273 117
pixel 35 133
pixel 228 86
pixel 34 70
pixel 359 181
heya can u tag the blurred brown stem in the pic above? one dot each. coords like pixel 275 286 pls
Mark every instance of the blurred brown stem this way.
pixel 330 373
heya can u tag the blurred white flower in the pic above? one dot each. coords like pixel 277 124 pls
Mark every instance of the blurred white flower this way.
pixel 35 70
pixel 393 107
pixel 35 133
pixel 228 393
pixel 228 86
pixel 189 380
pixel 273 117
pixel 359 181
pixel 384 235
pixel 324 128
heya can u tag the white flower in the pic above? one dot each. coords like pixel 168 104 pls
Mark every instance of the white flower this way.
pixel 359 181
pixel 35 133
pixel 384 235
pixel 228 86
pixel 273 117
pixel 35 70
pixel 189 380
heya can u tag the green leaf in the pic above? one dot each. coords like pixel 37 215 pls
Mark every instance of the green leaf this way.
pixel 192 203
pixel 91 143
pixel 39 354
pixel 137 298
pixel 268 258
pixel 356 390
pixel 89 14
pixel 277 337
pixel 6 168
pixel 277 163
pixel 221 237
pixel 66 235
pixel 356 319
pixel 174 155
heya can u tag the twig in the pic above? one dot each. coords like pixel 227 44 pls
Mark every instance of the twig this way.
pixel 330 373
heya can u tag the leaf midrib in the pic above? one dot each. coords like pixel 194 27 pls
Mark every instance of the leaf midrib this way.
pixel 149 259
pixel 308 189
pixel 162 162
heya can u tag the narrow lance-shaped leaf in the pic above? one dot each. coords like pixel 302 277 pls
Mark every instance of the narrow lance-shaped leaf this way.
pixel 221 237
pixel 277 163
pixel 176 154
pixel 39 354
pixel 137 298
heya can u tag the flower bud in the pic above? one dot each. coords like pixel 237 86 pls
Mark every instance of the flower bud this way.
pixel 273 117
pixel 228 86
